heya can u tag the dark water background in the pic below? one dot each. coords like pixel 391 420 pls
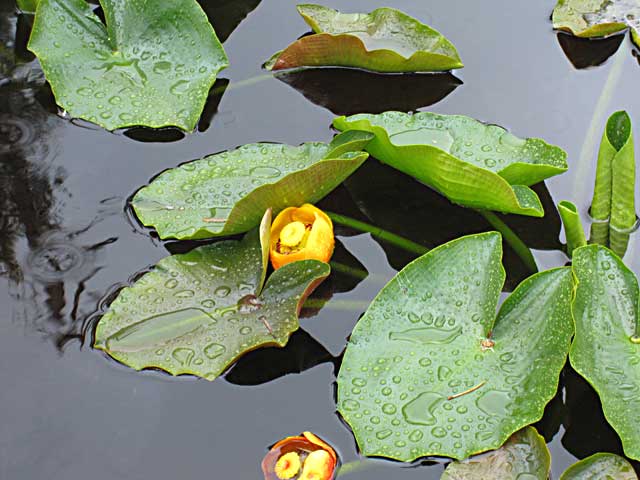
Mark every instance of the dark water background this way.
pixel 67 241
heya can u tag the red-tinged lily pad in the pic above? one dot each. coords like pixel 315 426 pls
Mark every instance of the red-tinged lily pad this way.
pixel 196 313
pixel 385 40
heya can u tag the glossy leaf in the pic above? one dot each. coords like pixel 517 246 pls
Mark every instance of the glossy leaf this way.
pixel 152 64
pixel 573 229
pixel 471 163
pixel 596 18
pixel 430 370
pixel 605 350
pixel 227 193
pixel 27 6
pixel 196 313
pixel 601 466
pixel 524 456
pixel 385 40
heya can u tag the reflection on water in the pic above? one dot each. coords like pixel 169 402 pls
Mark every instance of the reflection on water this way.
pixel 588 52
pixel 346 91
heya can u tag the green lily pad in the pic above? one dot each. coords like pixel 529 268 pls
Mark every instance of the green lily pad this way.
pixel 601 466
pixel 597 18
pixel 430 370
pixel 227 193
pixel 471 163
pixel 152 64
pixel 385 40
pixel 606 351
pixel 524 456
pixel 198 312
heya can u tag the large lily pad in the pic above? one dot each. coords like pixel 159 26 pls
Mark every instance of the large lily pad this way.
pixel 597 18
pixel 196 313
pixel 524 456
pixel 152 64
pixel 227 193
pixel 430 370
pixel 385 40
pixel 605 350
pixel 469 162
pixel 601 466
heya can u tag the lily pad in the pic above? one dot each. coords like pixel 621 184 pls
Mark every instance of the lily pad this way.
pixel 197 313
pixel 606 350
pixel 430 370
pixel 601 466
pixel 385 40
pixel 227 193
pixel 525 456
pixel 597 18
pixel 471 163
pixel 152 64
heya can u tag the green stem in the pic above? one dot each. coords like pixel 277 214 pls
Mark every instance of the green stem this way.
pixel 355 466
pixel 593 133
pixel 356 273
pixel 349 305
pixel 512 239
pixel 572 226
pixel 380 233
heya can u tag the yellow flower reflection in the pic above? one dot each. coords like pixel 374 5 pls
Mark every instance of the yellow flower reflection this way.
pixel 305 457
pixel 301 233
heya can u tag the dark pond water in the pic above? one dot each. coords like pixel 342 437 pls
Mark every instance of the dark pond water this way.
pixel 68 243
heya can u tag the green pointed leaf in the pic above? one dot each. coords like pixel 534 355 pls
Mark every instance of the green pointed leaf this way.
pixel 524 456
pixel 227 193
pixel 601 466
pixel 573 229
pixel 430 370
pixel 197 313
pixel 27 6
pixel 152 64
pixel 471 163
pixel 595 18
pixel 605 350
pixel 385 40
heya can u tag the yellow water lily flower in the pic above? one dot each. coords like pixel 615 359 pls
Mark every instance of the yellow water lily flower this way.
pixel 305 457
pixel 301 233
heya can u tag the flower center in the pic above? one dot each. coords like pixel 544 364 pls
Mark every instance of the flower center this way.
pixel 293 235
pixel 288 466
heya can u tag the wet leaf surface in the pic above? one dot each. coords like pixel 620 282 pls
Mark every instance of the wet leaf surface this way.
pixel 120 74
pixel 430 370
pixel 601 466
pixel 471 163
pixel 385 40
pixel 524 457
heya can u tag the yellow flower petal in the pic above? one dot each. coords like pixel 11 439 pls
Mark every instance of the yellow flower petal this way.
pixel 317 466
pixel 288 465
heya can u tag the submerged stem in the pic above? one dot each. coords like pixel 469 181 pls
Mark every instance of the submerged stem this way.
pixel 512 239
pixel 397 240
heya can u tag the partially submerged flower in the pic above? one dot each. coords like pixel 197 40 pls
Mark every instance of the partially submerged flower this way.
pixel 305 457
pixel 300 234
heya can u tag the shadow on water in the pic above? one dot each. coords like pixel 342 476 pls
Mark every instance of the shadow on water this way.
pixel 226 15
pixel 346 91
pixel 588 52
pixel 385 197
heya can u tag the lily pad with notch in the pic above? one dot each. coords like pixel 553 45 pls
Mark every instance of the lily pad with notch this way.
pixel 197 313
pixel 385 40
pixel 120 74
pixel 471 163
pixel 606 349
pixel 431 370
pixel 227 193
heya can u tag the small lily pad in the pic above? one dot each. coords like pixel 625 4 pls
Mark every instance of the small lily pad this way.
pixel 431 370
pixel 524 456
pixel 606 349
pixel 385 40
pixel 471 163
pixel 152 64
pixel 196 313
pixel 227 193
pixel 601 466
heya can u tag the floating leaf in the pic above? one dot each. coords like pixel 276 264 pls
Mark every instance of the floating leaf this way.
pixel 472 164
pixel 601 466
pixel 606 350
pixel 525 456
pixel 597 18
pixel 152 64
pixel 385 40
pixel 196 313
pixel 227 193
pixel 430 370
